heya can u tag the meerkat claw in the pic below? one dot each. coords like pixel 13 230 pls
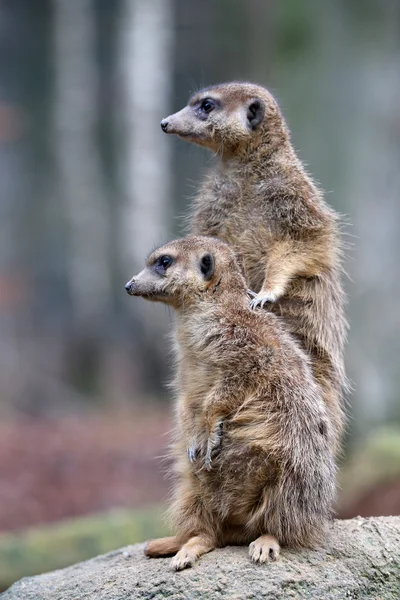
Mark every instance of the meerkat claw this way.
pixel 264 549
pixel 255 303
pixel 213 445
pixel 182 560
pixel 265 300
pixel 193 452
pixel 261 299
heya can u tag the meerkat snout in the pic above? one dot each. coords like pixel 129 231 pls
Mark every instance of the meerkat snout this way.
pixel 129 286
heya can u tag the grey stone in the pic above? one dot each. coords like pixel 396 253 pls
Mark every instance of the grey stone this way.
pixel 361 560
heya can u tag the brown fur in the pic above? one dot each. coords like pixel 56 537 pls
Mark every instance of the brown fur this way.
pixel 260 200
pixel 252 449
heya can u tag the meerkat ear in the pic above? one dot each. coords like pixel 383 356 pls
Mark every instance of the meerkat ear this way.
pixel 207 266
pixel 255 112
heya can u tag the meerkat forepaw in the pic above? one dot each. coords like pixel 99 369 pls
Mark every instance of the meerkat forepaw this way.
pixel 213 444
pixel 193 452
pixel 264 549
pixel 209 449
pixel 264 297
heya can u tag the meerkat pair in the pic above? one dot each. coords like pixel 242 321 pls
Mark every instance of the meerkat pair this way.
pixel 262 376
pixel 260 200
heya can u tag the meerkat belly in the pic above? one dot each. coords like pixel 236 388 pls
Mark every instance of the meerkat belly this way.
pixel 239 480
pixel 252 247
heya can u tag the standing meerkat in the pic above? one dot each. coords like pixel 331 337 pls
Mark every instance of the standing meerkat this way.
pixel 269 480
pixel 260 200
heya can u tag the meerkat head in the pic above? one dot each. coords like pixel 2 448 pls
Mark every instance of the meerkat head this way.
pixel 186 271
pixel 228 117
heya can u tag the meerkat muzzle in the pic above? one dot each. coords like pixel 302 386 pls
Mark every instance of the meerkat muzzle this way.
pixel 164 125
pixel 129 287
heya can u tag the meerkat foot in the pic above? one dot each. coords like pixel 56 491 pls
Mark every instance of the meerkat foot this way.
pixel 213 444
pixel 264 549
pixel 191 551
pixel 163 547
pixel 264 297
pixel 183 559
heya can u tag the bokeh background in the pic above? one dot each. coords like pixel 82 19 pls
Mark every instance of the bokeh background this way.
pixel 89 184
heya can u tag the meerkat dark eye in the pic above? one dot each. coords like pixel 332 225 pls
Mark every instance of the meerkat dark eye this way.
pixel 165 261
pixel 207 266
pixel 207 105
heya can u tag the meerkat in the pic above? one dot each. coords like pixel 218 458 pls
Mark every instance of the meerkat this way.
pixel 260 200
pixel 252 450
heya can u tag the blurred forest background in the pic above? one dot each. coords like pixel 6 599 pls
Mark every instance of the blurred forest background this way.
pixel 89 184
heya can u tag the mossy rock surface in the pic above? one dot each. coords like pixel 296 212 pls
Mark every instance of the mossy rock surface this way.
pixel 361 560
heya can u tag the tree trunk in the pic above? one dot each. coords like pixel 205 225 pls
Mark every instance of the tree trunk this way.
pixel 146 87
pixel 145 72
pixel 76 151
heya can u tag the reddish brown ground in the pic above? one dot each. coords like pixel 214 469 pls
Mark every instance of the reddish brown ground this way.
pixel 51 470
pixel 382 499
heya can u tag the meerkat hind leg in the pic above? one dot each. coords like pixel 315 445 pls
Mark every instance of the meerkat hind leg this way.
pixel 191 551
pixel 264 549
pixel 166 546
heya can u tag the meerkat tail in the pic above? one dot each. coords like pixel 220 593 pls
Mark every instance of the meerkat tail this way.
pixel 166 546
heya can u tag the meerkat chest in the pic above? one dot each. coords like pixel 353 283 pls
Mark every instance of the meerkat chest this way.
pixel 222 208
pixel 195 379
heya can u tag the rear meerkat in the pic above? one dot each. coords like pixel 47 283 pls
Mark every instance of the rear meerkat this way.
pixel 260 200
pixel 252 448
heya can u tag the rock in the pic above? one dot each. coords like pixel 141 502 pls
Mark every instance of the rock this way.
pixel 361 560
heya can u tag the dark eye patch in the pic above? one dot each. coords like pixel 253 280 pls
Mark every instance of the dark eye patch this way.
pixel 162 263
pixel 165 261
pixel 205 106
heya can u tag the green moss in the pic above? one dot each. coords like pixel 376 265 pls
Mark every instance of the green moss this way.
pixel 61 544
pixel 376 460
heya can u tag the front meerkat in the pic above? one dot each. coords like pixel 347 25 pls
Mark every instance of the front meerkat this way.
pixel 269 479
pixel 260 200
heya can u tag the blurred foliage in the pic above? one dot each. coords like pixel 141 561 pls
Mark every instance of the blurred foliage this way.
pixel 52 547
pixel 296 34
pixel 374 460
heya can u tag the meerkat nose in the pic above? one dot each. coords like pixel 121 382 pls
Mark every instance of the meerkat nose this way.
pixel 164 125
